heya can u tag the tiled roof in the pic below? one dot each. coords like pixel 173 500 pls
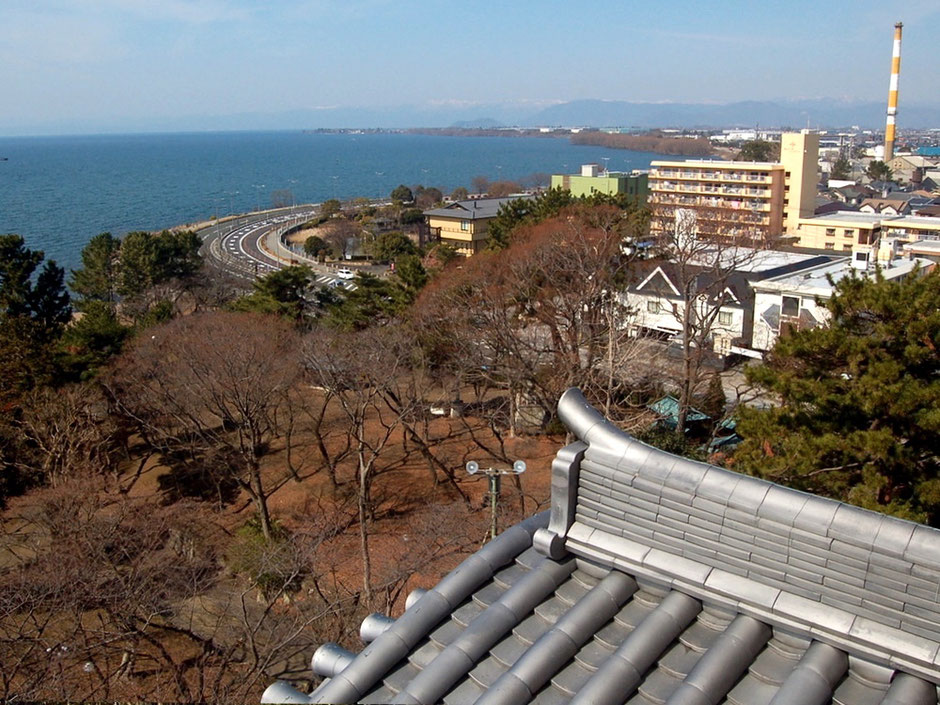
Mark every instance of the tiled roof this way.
pixel 472 209
pixel 655 579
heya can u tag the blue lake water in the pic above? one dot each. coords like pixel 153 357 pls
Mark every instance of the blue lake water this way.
pixel 58 192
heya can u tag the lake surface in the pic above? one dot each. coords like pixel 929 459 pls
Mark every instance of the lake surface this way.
pixel 58 192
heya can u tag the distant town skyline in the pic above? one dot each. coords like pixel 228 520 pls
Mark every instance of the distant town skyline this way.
pixel 114 65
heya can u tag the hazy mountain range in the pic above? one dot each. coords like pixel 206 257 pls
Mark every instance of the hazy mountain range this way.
pixel 814 113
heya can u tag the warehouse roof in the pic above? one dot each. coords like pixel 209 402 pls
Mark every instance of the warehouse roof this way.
pixel 655 579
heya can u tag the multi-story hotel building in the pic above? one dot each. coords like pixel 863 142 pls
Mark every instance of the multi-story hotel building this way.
pixel 758 200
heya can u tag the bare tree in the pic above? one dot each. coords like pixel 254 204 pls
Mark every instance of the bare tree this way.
pixel 282 198
pixel 80 613
pixel 341 235
pixel 356 369
pixel 109 597
pixel 540 316
pixel 704 257
pixel 480 184
pixel 214 387
pixel 500 189
pixel 66 432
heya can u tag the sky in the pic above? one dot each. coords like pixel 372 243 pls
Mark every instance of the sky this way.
pixel 77 64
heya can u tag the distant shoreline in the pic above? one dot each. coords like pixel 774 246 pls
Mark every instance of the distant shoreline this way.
pixel 651 141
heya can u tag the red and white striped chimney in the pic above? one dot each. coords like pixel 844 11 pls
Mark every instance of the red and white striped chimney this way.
pixel 893 93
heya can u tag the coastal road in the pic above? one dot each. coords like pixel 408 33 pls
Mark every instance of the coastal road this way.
pixel 239 245
pixel 249 246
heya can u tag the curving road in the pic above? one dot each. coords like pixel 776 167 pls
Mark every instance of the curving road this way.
pixel 250 246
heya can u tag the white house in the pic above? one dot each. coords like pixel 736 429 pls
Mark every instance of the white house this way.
pixel 797 300
pixel 726 297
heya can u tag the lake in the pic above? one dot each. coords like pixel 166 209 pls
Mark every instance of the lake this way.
pixel 58 192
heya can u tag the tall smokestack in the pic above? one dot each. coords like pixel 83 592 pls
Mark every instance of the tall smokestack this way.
pixel 893 93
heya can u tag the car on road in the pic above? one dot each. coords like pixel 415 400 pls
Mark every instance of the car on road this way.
pixel 345 273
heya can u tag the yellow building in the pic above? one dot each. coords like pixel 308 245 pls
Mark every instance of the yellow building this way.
pixel 839 231
pixel 464 224
pixel 752 199
pixel 911 227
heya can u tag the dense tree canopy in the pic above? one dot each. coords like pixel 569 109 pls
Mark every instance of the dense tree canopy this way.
pixel 96 280
pixel 860 401
pixel 29 292
pixel 522 211
pixel 316 246
pixel 841 167
pixel 330 207
pixel 401 194
pixel 759 151
pixel 34 308
pixel 283 292
pixel 879 171
pixel 387 246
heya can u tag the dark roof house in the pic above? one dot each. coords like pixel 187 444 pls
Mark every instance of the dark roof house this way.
pixel 658 580
pixel 473 208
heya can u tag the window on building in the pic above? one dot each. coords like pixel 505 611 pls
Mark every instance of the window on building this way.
pixel 465 225
pixel 861 256
pixel 832 246
pixel 846 247
pixel 790 306
pixel 725 318
pixel 830 232
pixel 652 306
pixel 849 233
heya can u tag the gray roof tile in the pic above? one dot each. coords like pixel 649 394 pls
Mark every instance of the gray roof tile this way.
pixel 805 600
pixel 508 651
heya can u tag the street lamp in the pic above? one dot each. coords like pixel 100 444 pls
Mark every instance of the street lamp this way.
pixel 258 188
pixel 495 476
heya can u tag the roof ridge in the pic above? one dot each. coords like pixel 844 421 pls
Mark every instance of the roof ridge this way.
pixel 790 556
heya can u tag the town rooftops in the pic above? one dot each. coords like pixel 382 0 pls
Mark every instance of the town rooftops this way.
pixel 472 209
pixel 912 221
pixel 819 280
pixel 656 579
pixel 853 218
pixel 929 249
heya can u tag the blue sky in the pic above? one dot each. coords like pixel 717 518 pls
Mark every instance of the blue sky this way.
pixel 123 61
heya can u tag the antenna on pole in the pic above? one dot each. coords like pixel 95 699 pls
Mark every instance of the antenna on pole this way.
pixel 495 476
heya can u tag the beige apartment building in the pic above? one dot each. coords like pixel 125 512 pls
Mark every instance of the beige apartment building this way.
pixel 841 230
pixel 759 200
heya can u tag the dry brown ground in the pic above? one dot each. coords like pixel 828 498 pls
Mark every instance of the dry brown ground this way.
pixel 421 529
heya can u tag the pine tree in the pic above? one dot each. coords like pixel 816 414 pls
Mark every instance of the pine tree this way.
pixel 860 401
pixel 841 168
pixel 96 280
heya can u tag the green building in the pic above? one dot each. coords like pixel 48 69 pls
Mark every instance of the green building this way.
pixel 593 179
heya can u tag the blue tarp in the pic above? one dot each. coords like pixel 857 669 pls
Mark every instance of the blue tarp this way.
pixel 668 410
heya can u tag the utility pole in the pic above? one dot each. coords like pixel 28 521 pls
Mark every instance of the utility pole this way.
pixel 495 480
